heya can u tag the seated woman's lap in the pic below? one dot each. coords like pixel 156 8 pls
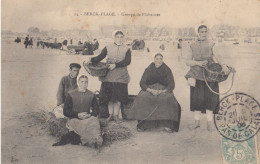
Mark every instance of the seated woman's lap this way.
pixel 150 107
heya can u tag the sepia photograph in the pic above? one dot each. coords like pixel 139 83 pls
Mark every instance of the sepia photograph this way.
pixel 131 82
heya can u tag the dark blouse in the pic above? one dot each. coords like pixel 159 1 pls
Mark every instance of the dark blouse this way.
pixel 122 63
pixel 162 75
pixel 84 100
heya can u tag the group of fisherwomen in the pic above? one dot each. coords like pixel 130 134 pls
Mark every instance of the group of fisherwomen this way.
pixel 155 105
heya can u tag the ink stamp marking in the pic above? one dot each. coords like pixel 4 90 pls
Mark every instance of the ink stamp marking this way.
pixel 238 118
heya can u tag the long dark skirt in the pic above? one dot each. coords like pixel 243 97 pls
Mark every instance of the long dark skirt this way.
pixel 113 92
pixel 149 107
pixel 150 124
pixel 201 98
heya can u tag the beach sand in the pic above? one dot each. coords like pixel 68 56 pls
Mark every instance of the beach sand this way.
pixel 30 78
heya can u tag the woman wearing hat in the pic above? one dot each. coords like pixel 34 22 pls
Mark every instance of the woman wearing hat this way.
pixel 114 87
pixel 155 105
pixel 202 100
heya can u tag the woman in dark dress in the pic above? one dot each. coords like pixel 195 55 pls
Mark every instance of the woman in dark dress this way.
pixel 82 109
pixel 155 105
pixel 114 87
pixel 202 100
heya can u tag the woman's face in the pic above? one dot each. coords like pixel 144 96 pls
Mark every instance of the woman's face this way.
pixel 203 33
pixel 158 60
pixel 119 39
pixel 83 83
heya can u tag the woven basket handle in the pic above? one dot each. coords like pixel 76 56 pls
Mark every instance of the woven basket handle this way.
pixel 233 72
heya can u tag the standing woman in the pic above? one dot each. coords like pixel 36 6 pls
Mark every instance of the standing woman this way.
pixel 114 87
pixel 202 100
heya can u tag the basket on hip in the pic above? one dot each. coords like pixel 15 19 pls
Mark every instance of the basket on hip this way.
pixel 215 73
pixel 99 69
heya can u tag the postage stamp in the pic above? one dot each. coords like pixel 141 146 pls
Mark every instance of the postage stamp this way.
pixel 239 152
pixel 238 118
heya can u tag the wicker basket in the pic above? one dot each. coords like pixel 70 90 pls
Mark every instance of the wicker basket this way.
pixel 214 72
pixel 99 69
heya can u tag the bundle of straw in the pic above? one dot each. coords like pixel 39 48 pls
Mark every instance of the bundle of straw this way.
pixel 112 132
pixel 36 121
pixel 57 126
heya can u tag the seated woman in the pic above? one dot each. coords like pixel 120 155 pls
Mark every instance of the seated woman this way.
pixel 155 105
pixel 84 126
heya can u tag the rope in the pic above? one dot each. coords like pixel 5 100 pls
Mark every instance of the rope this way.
pixel 213 90
pixel 148 115
pixel 132 128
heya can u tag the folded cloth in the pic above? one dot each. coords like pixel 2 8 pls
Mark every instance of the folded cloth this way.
pixel 88 130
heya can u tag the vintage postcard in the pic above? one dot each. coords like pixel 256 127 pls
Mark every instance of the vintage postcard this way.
pixel 110 81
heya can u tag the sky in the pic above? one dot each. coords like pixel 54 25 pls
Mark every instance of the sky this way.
pixel 19 15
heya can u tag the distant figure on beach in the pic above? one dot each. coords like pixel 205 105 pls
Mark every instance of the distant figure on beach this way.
pixel 40 44
pixel 95 44
pixel 17 40
pixel 138 44
pixel 90 47
pixel 180 44
pixel 65 42
pixel 30 43
pixel 67 84
pixel 114 87
pixel 26 42
pixel 83 124
pixel 156 106
pixel 79 43
pixel 180 49
pixel 202 100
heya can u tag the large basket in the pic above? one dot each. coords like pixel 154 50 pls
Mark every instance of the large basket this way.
pixel 214 72
pixel 99 69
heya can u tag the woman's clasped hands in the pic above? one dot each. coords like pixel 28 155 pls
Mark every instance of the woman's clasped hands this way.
pixel 156 92
pixel 83 115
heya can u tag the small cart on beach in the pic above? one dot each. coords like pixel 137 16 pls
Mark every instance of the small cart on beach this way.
pixel 75 49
